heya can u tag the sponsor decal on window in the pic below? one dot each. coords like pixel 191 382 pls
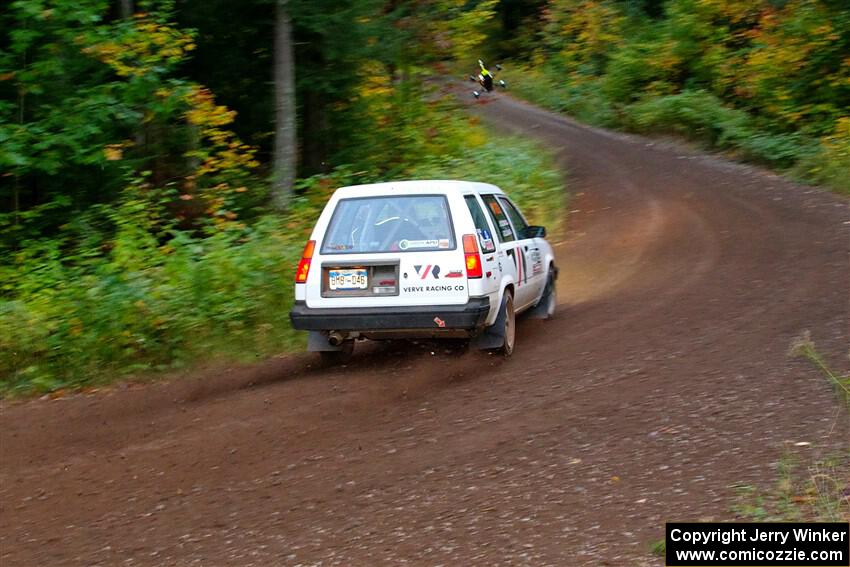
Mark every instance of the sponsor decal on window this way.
pixel 415 244
pixel 486 238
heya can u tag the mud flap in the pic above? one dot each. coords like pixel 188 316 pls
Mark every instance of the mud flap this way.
pixel 492 337
pixel 539 311
pixel 318 342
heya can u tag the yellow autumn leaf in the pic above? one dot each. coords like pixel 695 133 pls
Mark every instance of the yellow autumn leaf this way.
pixel 113 152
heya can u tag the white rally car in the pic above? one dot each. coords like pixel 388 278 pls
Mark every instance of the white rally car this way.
pixel 421 259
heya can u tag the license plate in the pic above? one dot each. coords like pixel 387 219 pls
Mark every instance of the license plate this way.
pixel 341 280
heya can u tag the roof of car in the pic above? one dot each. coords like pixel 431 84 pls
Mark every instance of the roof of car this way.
pixel 416 187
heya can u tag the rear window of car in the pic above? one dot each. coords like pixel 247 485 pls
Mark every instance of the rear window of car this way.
pixel 413 223
pixel 485 239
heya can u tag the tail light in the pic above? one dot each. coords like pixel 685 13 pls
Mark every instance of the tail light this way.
pixel 473 258
pixel 304 265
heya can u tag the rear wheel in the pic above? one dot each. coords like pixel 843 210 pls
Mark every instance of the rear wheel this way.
pixel 341 356
pixel 508 329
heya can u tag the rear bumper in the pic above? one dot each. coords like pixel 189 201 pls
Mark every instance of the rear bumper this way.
pixel 470 316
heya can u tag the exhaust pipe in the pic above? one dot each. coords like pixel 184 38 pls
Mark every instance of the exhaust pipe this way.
pixel 335 338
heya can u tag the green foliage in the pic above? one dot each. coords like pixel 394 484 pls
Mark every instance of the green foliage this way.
pixel 578 35
pixel 766 81
pixel 464 24
pixel 99 106
pixel 411 127
pixel 830 163
pixel 796 71
pixel 702 116
pixel 58 108
pixel 549 89
pixel 639 68
pixel 658 547
pixel 142 305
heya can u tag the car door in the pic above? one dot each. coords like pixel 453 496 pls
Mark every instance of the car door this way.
pixel 533 278
pixel 511 254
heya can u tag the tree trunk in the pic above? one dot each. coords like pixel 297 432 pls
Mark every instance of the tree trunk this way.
pixel 284 93
pixel 126 8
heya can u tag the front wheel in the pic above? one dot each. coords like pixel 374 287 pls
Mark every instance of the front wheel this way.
pixel 549 299
pixel 545 307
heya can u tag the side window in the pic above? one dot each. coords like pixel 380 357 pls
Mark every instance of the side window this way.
pixel 485 239
pixel 516 218
pixel 503 227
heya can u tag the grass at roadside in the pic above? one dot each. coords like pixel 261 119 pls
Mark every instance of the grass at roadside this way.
pixel 806 489
pixel 697 115
pixel 804 347
pixel 149 303
pixel 816 491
